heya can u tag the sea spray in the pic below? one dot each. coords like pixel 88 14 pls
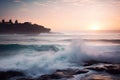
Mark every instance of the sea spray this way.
pixel 35 62
pixel 83 52
pixel 79 52
pixel 42 63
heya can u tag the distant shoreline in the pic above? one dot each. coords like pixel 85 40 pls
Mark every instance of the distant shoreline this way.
pixel 21 28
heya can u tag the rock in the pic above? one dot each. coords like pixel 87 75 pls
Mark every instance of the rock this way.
pixel 25 79
pixel 50 77
pixel 9 74
pixel 91 62
pixel 113 69
pixel 59 74
pixel 71 71
pixel 97 68
pixel 97 77
pixel 110 68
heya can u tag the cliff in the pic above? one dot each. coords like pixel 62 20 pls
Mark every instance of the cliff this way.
pixel 21 28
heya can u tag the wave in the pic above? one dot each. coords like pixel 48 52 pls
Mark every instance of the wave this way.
pixel 73 56
pixel 7 50
pixel 8 47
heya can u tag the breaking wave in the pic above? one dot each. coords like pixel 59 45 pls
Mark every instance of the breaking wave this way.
pixel 36 60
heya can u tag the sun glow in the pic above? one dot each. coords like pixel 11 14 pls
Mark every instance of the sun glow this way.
pixel 94 27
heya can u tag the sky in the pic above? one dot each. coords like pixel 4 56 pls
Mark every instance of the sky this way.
pixel 64 15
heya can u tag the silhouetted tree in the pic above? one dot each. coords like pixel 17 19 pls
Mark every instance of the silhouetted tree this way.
pixel 16 21
pixel 3 21
pixel 10 21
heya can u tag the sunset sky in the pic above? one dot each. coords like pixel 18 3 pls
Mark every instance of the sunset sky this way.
pixel 64 15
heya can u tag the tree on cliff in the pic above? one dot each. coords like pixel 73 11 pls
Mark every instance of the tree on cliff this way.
pixel 10 21
pixel 16 21
pixel 3 21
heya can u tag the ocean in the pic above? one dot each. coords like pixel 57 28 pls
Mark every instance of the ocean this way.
pixel 44 53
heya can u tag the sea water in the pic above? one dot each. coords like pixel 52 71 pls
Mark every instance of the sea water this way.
pixel 44 53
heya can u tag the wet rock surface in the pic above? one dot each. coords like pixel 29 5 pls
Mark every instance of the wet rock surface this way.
pixel 99 77
pixel 113 69
pixel 4 75
pixel 92 62
pixel 25 79
pixel 109 68
pixel 59 74
pixel 97 71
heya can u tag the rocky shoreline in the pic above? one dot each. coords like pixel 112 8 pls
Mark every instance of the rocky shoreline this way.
pixel 94 71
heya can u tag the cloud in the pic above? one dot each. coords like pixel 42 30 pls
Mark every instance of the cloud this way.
pixel 68 3
pixel 81 1
pixel 39 3
pixel 17 1
pixel 45 2
pixel 92 2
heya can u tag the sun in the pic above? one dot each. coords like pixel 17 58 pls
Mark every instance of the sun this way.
pixel 94 27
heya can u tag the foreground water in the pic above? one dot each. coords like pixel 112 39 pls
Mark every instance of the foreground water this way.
pixel 36 55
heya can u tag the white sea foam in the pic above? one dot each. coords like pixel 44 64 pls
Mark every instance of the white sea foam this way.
pixel 34 62
pixel 42 63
